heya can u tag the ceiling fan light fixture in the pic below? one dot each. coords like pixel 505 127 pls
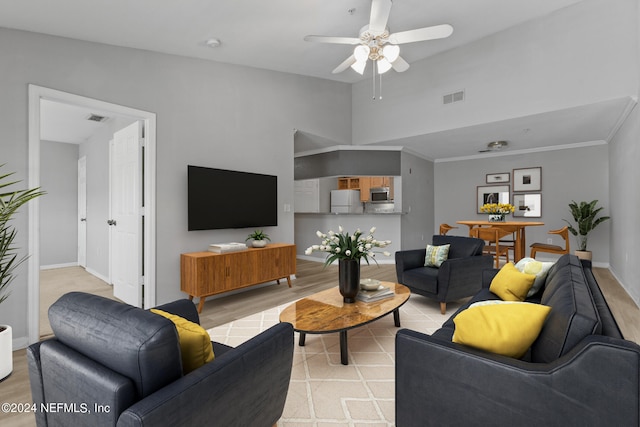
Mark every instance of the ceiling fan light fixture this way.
pixel 391 52
pixel 359 66
pixel 361 53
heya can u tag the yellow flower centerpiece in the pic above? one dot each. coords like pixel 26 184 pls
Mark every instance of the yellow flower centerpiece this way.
pixel 497 211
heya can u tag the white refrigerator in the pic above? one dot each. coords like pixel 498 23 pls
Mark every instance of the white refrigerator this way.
pixel 346 201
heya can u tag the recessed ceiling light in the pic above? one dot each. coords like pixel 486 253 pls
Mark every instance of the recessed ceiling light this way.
pixel 212 43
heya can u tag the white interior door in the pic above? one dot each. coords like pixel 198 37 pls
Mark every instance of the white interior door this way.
pixel 82 211
pixel 126 214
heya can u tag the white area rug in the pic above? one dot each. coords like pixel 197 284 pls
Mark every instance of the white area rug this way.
pixel 323 392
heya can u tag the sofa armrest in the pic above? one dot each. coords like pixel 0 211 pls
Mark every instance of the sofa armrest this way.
pixel 461 277
pixel 487 276
pixel 443 383
pixel 409 259
pixel 245 386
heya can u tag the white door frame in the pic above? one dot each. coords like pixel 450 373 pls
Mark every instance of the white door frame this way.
pixel 36 93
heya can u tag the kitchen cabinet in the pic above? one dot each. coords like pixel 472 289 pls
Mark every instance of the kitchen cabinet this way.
pixel 364 184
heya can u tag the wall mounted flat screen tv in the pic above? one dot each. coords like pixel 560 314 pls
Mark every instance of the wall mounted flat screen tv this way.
pixel 219 198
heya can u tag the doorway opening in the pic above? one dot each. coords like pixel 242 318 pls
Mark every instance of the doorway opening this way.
pixel 146 251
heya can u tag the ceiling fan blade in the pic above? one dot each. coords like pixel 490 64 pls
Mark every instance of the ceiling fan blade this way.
pixel 400 65
pixel 346 64
pixel 380 10
pixel 336 40
pixel 422 34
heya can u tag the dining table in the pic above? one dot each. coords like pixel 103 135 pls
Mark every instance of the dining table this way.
pixel 515 227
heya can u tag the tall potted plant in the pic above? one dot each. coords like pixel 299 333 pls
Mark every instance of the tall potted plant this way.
pixel 585 214
pixel 10 202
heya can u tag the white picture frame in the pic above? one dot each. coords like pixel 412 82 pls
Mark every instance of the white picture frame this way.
pixel 527 205
pixel 498 178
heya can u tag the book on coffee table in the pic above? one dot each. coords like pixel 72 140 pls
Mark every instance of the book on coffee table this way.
pixel 375 295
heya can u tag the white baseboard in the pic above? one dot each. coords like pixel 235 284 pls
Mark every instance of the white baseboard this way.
pixel 54 266
pixel 98 275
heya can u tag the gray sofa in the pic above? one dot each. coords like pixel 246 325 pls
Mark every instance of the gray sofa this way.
pixel 579 371
pixel 113 364
pixel 458 277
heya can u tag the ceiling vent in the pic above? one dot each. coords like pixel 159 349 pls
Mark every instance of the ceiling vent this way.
pixel 450 98
pixel 96 118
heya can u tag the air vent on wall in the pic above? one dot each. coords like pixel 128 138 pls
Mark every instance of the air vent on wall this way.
pixel 450 98
pixel 96 118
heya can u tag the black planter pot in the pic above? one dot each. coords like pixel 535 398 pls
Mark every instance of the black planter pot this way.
pixel 349 279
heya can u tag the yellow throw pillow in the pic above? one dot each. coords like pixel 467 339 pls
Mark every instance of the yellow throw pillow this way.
pixel 510 284
pixel 507 328
pixel 195 344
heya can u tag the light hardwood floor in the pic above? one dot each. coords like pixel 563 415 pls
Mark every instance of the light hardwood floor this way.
pixel 311 277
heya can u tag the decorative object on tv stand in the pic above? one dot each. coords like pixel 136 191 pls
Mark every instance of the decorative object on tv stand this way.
pixel 259 239
pixel 497 211
pixel 584 214
pixel 348 250
pixel 10 202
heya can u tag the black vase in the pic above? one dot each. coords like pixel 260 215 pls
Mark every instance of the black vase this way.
pixel 349 279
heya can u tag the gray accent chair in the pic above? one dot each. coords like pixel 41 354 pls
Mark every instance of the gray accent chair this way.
pixel 458 277
pixel 112 364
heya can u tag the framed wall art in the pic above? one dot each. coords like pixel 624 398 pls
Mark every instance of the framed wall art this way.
pixel 498 178
pixel 492 194
pixel 527 205
pixel 528 179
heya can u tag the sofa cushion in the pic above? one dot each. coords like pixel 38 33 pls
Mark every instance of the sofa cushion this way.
pixel 538 268
pixel 510 284
pixel 133 342
pixel 461 247
pixel 573 313
pixel 436 255
pixel 195 344
pixel 502 327
pixel 424 278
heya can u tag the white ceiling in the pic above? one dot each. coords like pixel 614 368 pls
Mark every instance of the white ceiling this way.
pixel 265 34
pixel 269 35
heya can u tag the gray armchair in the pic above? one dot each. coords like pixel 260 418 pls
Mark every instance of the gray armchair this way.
pixel 458 277
pixel 112 364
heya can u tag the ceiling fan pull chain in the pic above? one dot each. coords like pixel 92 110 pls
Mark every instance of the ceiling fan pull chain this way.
pixel 373 80
pixel 380 97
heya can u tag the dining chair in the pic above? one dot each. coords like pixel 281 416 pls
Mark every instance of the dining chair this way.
pixel 444 228
pixel 553 249
pixel 492 236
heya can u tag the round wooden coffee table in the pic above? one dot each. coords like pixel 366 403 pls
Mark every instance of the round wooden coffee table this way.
pixel 326 312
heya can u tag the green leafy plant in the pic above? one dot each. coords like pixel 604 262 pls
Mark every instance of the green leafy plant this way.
pixel 585 215
pixel 10 202
pixel 258 235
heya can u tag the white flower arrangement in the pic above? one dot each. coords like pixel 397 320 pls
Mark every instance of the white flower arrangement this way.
pixel 341 245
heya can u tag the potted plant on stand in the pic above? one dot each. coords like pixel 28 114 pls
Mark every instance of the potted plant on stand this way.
pixel 259 239
pixel 10 202
pixel 584 214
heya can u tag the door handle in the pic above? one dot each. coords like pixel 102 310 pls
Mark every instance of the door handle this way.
pixel 83 219
pixel 111 222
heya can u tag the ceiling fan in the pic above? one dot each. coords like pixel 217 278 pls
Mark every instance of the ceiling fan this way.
pixel 376 43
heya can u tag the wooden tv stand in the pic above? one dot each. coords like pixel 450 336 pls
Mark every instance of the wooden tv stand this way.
pixel 203 274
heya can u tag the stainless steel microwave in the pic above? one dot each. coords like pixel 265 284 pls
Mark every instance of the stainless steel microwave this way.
pixel 380 194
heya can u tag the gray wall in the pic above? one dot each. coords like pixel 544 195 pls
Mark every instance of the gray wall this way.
pixel 208 113
pixel 59 208
pixel 418 201
pixel 574 174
